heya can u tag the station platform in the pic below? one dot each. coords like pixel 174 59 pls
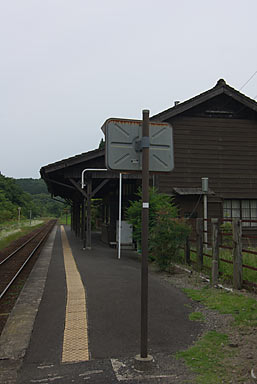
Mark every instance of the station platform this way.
pixel 77 319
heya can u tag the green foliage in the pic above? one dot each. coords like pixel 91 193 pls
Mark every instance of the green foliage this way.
pixel 166 236
pixel 101 144
pixel 226 230
pixel 96 213
pixel 14 231
pixel 63 219
pixel 12 196
pixel 243 309
pixel 205 358
pixel 32 186
pixel 157 202
pixel 226 269
pixel 167 232
pixel 46 206
pixel 196 316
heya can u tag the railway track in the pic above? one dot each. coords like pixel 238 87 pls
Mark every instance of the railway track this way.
pixel 16 266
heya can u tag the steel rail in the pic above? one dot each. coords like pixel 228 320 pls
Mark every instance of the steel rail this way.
pixel 25 263
pixel 19 248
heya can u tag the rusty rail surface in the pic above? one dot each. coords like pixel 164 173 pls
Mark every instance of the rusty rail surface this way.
pixel 12 265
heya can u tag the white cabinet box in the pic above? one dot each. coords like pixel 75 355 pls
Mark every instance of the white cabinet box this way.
pixel 126 233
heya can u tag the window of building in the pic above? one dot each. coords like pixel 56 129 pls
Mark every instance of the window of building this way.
pixel 241 209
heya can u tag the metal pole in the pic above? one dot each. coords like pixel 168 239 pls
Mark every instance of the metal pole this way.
pixel 144 237
pixel 30 216
pixel 120 197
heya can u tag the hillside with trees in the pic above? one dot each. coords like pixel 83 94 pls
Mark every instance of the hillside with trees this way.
pixel 30 195
pixel 32 186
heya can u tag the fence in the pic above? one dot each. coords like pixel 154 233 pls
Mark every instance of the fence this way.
pixel 224 250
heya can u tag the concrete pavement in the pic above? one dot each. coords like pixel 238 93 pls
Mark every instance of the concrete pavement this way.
pixel 112 291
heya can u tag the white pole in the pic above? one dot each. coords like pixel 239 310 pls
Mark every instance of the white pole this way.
pixel 120 196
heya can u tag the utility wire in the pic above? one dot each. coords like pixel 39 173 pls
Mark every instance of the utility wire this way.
pixel 250 78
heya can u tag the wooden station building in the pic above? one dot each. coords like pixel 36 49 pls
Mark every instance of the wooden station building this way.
pixel 215 136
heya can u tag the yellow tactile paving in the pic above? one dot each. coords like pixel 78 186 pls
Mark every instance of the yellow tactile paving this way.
pixel 75 338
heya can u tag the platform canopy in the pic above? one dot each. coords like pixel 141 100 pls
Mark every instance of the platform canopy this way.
pixel 63 178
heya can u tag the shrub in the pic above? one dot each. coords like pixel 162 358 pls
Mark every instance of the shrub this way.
pixel 157 202
pixel 166 237
pixel 226 230
pixel 166 232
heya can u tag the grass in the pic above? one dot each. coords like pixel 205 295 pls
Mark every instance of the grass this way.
pixel 16 232
pixel 206 357
pixel 196 316
pixel 226 270
pixel 62 220
pixel 243 309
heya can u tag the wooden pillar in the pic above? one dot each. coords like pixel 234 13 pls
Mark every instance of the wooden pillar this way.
pixel 84 223
pixel 199 243
pixel 237 254
pixel 77 219
pixel 215 250
pixel 89 192
pixel 73 216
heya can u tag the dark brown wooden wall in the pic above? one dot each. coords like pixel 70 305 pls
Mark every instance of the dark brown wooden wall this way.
pixel 224 150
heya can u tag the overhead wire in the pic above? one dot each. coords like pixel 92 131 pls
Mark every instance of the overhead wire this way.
pixel 250 78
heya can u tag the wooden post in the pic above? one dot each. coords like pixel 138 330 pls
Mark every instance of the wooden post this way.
pixel 79 220
pixel 71 217
pixel 199 243
pixel 82 218
pixel 187 251
pixel 76 218
pixel 89 192
pixel 84 223
pixel 215 250
pixel 237 254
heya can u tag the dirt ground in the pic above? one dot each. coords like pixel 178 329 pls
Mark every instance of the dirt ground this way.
pixel 242 366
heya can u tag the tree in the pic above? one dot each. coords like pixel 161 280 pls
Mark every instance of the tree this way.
pixel 101 144
pixel 166 231
pixel 157 201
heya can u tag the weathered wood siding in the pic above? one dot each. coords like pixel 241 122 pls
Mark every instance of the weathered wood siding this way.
pixel 224 150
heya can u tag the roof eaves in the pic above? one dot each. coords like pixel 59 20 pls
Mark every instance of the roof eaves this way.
pixel 238 96
pixel 219 88
pixel 188 104
pixel 73 160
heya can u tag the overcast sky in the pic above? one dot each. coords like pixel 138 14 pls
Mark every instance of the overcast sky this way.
pixel 68 65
